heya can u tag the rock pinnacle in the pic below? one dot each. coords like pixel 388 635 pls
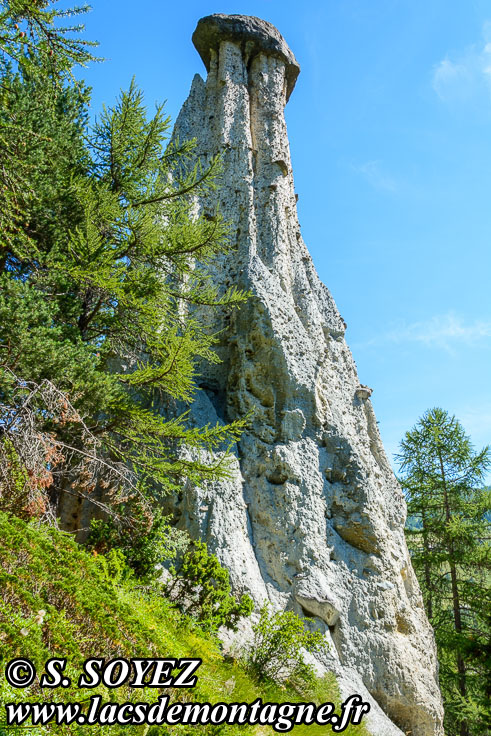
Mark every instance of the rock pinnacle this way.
pixel 254 36
pixel 311 518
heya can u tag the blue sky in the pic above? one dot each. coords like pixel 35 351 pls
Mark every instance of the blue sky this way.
pixel 390 134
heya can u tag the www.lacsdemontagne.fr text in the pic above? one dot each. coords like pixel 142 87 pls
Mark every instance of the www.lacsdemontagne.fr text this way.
pixel 144 673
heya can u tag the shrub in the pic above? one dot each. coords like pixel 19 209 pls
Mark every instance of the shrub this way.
pixel 276 652
pixel 145 539
pixel 201 588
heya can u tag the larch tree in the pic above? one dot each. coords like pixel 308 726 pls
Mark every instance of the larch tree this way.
pixel 102 263
pixel 448 536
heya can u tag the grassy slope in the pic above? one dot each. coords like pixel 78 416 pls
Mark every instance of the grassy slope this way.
pixel 90 614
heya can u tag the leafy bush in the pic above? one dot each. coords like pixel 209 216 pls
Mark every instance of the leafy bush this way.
pixel 276 652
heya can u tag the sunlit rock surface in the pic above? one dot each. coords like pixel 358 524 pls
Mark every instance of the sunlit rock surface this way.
pixel 313 519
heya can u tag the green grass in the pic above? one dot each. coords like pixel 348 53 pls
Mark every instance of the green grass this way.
pixel 90 612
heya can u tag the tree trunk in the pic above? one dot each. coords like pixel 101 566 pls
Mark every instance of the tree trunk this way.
pixel 429 605
pixel 461 669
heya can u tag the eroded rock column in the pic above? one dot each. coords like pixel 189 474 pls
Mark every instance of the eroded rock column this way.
pixel 313 519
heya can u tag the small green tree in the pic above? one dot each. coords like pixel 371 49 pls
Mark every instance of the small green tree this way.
pixel 201 588
pixel 449 541
pixel 276 651
pixel 144 548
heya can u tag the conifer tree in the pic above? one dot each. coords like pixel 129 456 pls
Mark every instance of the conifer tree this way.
pixel 99 280
pixel 442 476
pixel 37 48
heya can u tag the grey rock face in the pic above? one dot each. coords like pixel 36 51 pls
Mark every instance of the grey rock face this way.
pixel 313 518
